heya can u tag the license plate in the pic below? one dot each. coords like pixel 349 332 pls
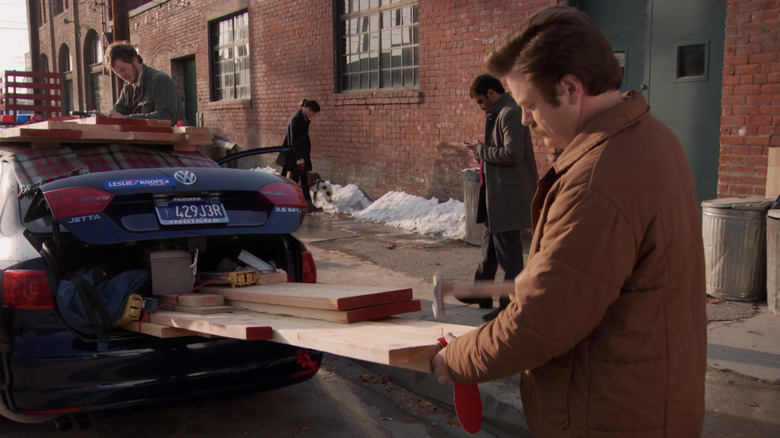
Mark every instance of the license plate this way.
pixel 190 211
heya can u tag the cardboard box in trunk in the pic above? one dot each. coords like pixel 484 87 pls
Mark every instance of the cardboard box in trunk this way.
pixel 171 272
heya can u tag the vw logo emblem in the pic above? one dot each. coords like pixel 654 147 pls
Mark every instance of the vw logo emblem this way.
pixel 185 177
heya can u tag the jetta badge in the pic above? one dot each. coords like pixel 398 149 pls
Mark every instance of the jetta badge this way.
pixel 185 177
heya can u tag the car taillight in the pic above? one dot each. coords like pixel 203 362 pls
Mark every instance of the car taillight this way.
pixel 77 201
pixel 26 289
pixel 309 269
pixel 282 194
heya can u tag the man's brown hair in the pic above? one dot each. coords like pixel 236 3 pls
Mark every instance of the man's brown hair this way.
pixel 553 43
pixel 123 51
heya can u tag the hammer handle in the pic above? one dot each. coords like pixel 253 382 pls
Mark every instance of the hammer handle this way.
pixel 480 289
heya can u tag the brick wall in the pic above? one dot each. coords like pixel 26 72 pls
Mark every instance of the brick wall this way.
pixel 382 141
pixel 750 121
pixel 403 140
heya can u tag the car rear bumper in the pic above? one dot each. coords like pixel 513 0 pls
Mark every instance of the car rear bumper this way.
pixel 172 370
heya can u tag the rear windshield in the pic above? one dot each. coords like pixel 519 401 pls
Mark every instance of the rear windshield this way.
pixel 33 167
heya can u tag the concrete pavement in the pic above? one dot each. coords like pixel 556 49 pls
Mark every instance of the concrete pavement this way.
pixel 743 379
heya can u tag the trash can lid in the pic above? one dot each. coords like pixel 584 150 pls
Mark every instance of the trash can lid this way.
pixel 751 204
pixel 471 175
pixel 774 213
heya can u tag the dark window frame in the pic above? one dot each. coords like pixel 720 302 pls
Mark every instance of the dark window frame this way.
pixel 684 54
pixel 93 62
pixel 377 45
pixel 230 58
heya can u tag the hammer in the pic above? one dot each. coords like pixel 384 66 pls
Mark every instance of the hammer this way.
pixel 480 289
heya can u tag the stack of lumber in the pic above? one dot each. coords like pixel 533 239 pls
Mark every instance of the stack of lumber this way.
pixel 336 303
pixel 347 320
pixel 51 134
pixel 341 304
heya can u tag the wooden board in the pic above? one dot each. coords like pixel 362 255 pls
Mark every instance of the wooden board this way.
pixel 316 296
pixel 157 137
pixel 401 342
pixel 184 147
pixel 54 124
pixel 340 316
pixel 54 133
pixel 280 276
pixel 144 128
pixel 195 130
pixel 21 134
pixel 98 136
pixel 204 310
pixel 199 138
pixel 229 325
pixel 193 300
pixel 157 330
pixel 120 121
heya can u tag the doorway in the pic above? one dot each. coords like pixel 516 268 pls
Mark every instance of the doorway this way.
pixel 184 74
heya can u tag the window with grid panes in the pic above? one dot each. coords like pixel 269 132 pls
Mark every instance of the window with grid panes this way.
pixel 378 44
pixel 230 57
pixel 93 58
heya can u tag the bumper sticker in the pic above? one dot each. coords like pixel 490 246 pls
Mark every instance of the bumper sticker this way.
pixel 140 182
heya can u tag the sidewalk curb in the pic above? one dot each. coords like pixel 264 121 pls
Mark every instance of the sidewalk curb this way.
pixel 502 411
pixel 747 346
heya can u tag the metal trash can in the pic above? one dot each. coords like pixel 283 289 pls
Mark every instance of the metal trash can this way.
pixel 734 234
pixel 470 201
pixel 772 257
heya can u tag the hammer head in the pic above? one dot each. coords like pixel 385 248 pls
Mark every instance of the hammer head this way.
pixel 438 303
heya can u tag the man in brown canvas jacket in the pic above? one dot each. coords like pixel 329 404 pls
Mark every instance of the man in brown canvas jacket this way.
pixel 607 322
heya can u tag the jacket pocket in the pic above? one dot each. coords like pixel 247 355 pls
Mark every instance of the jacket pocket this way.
pixel 549 386
pixel 627 396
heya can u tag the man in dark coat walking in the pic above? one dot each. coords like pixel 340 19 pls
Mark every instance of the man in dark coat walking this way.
pixel 508 178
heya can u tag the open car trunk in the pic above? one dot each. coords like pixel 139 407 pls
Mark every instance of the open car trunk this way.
pixel 117 208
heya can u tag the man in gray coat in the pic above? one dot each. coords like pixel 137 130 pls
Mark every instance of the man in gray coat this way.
pixel 508 178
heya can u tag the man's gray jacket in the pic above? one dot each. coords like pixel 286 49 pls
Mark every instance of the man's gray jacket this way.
pixel 509 167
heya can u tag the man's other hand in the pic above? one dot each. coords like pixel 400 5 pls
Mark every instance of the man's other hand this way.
pixel 115 114
pixel 470 145
pixel 439 363
pixel 440 369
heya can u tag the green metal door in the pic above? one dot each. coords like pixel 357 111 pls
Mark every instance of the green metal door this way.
pixel 190 91
pixel 674 54
pixel 626 25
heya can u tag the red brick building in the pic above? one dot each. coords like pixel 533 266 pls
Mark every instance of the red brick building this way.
pixel 391 76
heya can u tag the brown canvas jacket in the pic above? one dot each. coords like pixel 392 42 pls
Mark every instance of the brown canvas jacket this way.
pixel 608 323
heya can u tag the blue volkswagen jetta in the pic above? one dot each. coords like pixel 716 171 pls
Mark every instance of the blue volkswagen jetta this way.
pixel 109 207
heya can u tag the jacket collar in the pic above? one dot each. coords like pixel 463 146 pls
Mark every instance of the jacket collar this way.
pixel 503 101
pixel 141 77
pixel 601 127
